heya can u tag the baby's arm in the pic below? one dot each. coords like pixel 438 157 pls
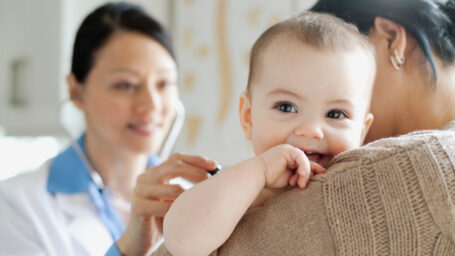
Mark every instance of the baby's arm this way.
pixel 202 218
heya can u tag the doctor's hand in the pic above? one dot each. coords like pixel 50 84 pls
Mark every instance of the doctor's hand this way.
pixel 153 195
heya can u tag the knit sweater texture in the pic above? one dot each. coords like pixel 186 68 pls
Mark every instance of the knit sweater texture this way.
pixel 395 196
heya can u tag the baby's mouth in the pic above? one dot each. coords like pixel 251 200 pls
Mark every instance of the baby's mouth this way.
pixel 321 159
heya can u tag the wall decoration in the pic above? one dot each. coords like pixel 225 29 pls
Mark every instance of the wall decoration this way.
pixel 213 41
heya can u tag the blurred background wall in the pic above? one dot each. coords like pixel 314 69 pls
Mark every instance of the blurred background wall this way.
pixel 212 38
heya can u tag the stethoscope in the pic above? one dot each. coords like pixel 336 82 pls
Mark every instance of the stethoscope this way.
pixel 103 209
pixel 163 153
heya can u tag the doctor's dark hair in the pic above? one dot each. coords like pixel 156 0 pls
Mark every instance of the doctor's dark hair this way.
pixel 102 23
pixel 430 22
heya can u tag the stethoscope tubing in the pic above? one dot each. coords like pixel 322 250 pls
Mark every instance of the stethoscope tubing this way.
pixel 164 151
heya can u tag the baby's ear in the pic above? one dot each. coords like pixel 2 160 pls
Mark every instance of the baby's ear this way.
pixel 245 114
pixel 366 125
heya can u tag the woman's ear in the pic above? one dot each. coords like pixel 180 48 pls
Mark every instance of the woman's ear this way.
pixel 245 114
pixel 76 91
pixel 366 125
pixel 391 33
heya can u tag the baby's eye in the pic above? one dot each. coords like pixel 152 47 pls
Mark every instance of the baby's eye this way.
pixel 286 107
pixel 336 114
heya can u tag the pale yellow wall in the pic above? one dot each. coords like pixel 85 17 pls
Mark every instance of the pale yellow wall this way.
pixel 213 39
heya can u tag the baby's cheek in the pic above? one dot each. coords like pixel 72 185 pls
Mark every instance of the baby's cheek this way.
pixel 263 142
pixel 260 146
pixel 343 143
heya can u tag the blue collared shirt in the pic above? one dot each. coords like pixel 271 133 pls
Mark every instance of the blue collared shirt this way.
pixel 69 175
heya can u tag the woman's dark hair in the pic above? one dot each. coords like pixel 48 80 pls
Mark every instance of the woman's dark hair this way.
pixel 431 22
pixel 99 25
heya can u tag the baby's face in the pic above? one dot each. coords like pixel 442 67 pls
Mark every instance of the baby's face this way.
pixel 312 99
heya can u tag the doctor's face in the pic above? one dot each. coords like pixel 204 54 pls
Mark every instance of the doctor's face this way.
pixel 130 94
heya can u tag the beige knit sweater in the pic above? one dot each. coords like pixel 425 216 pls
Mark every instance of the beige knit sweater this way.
pixel 392 197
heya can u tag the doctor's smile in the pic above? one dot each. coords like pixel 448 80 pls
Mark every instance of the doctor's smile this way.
pixel 145 129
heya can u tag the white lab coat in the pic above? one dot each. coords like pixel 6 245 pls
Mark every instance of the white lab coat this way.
pixel 35 222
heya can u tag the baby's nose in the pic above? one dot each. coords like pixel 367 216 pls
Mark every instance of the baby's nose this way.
pixel 309 130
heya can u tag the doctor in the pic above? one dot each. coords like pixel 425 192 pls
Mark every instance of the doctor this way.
pixel 124 78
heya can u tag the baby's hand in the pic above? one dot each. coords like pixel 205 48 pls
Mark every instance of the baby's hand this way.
pixel 285 164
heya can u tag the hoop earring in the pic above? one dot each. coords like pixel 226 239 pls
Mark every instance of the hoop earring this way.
pixel 399 62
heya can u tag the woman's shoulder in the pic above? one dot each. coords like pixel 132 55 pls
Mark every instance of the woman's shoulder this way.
pixel 436 141
pixel 392 183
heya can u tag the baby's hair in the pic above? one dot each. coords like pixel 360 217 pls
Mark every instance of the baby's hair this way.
pixel 320 31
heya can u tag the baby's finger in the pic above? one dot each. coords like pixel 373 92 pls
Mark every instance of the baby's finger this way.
pixel 317 168
pixel 303 181
pixel 304 167
pixel 293 180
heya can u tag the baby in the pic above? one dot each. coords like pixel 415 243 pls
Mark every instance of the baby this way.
pixel 307 100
